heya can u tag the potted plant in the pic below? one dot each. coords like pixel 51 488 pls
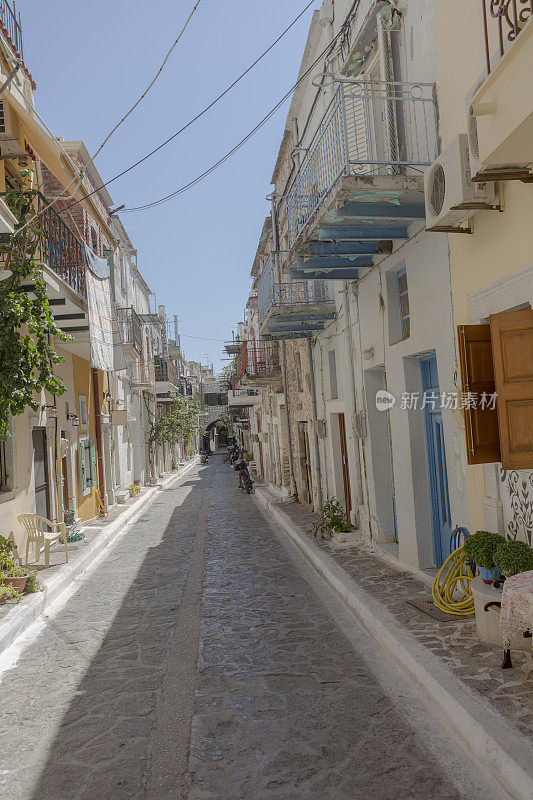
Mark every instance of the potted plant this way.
pixel 10 573
pixel 512 557
pixel 8 594
pixel 480 548
pixel 333 520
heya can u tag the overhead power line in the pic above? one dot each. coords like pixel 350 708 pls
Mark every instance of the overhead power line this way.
pixel 200 113
pixel 154 79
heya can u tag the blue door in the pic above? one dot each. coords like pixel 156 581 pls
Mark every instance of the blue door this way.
pixel 436 456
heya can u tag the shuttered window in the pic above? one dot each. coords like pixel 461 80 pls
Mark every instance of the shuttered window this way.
pixel 499 358
pixel 332 374
pixel 86 465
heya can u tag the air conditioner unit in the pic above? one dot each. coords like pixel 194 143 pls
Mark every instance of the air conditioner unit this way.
pixel 478 170
pixel 451 195
pixel 9 132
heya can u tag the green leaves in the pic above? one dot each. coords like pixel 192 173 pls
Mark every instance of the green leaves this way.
pixel 27 326
pixel 175 422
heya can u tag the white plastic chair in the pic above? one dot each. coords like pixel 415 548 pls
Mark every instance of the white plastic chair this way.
pixel 38 535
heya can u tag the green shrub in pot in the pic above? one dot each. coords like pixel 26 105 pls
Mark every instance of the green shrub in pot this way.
pixel 480 548
pixel 512 557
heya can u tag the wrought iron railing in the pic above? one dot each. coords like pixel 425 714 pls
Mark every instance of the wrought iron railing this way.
pixel 142 373
pixel 257 359
pixel 165 370
pixel 58 248
pixel 11 22
pixel 369 128
pixel 272 292
pixel 510 17
pixel 130 328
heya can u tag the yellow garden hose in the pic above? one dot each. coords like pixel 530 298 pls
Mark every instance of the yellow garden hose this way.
pixel 451 587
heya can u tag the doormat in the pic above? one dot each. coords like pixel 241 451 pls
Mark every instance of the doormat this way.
pixel 429 608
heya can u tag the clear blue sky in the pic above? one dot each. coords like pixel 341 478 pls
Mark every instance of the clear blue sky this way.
pixel 92 60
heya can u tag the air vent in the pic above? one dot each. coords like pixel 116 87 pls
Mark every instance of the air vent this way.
pixel 437 189
pixel 473 141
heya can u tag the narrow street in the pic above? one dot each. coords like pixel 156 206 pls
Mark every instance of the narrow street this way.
pixel 196 661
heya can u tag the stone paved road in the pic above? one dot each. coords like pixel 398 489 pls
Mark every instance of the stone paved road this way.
pixel 195 661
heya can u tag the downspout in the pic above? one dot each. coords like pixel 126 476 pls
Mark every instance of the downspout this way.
pixel 275 232
pixel 351 373
pixel 314 420
pixel 98 435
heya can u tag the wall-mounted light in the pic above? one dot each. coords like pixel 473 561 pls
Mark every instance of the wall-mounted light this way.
pixel 74 419
pixel 51 411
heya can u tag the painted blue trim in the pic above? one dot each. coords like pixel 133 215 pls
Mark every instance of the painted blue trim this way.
pixel 361 232
pixel 405 293
pixel 341 248
pixel 329 262
pixel 411 211
pixel 332 275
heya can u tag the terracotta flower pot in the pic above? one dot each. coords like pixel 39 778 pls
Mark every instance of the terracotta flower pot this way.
pixel 17 583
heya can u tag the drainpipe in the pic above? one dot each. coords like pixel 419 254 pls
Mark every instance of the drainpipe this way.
pixel 98 435
pixel 314 420
pixel 275 233
pixel 351 373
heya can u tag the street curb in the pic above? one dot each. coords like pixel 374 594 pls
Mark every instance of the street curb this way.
pixel 502 754
pixel 21 616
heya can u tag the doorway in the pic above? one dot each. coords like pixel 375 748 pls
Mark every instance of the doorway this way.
pixel 64 476
pixel 345 466
pixel 305 462
pixel 436 459
pixel 40 473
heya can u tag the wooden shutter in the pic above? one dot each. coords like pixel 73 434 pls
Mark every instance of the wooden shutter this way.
pixel 512 344
pixel 92 462
pixel 477 376
pixel 82 478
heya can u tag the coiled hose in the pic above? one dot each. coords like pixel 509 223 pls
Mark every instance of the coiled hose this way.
pixel 451 587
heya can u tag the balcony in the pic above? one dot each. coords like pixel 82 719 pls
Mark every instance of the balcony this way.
pixel 257 364
pixel 500 120
pixel 293 309
pixel 243 398
pixel 361 179
pixel 142 374
pixel 167 383
pixel 130 328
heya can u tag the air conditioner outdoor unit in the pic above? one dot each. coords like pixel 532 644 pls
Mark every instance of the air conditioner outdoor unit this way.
pixel 451 195
pixel 9 132
pixel 477 168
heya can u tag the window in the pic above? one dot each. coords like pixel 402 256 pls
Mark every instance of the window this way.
pixel 497 361
pixel 83 412
pixel 4 470
pixel 298 365
pixel 86 464
pixel 403 301
pixel 332 374
pixel 94 241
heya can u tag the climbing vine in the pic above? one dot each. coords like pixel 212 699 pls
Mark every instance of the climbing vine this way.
pixel 27 326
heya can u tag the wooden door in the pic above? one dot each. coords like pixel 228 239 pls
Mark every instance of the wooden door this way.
pixel 40 473
pixel 512 347
pixel 345 467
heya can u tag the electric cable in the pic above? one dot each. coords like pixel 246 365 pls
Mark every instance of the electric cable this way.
pixel 154 79
pixel 172 137
pixel 224 158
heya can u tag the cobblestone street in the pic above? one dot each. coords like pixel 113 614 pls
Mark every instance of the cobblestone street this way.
pixel 196 661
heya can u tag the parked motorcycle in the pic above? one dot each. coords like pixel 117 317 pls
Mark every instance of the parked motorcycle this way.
pixel 245 479
pixel 203 457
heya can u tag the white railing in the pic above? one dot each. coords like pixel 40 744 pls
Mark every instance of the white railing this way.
pixel 272 292
pixel 369 128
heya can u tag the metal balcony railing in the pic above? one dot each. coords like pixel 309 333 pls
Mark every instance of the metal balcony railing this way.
pixel 10 20
pixel 130 328
pixel 58 248
pixel 510 16
pixel 272 293
pixel 257 359
pixel 142 373
pixel 165 370
pixel 369 128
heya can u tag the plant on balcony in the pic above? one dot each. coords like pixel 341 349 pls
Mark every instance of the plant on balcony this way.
pixel 27 326
pixel 333 520
pixel 513 556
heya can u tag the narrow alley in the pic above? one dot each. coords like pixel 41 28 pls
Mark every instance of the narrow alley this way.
pixel 200 659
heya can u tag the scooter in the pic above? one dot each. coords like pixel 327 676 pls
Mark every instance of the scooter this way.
pixel 203 457
pixel 245 479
